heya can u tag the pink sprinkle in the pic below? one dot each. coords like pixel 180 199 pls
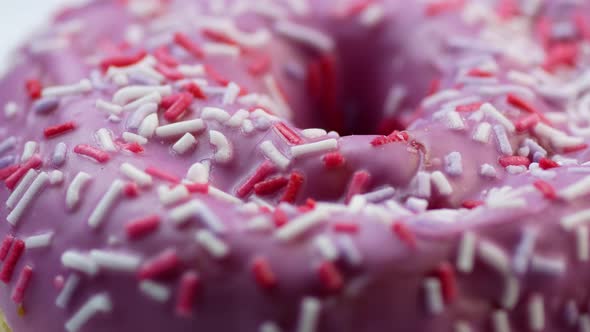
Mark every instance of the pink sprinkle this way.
pixel 357 7
pixel 546 163
pixel 514 161
pixel 188 45
pixel 288 134
pixel 219 37
pixel 169 72
pixel 139 228
pixel 280 218
pixel 575 148
pixel 131 190
pixel 396 136
pixel 195 90
pixel 162 175
pixel 358 184
pixel 12 260
pixel 448 281
pixel 8 171
pixel 441 7
pixel 546 189
pixel 34 88
pixel 469 107
pixel 330 276
pixel 122 60
pixel 5 246
pixel 187 292
pixel 260 65
pixel 404 233
pixel 270 186
pixel 214 75
pixel 162 54
pixel 263 273
pixel 59 282
pixel 132 147
pixel 163 265
pixel 18 293
pixel 179 107
pixel 527 123
pixel 333 160
pixel 346 227
pixel 476 72
pixel 54 131
pixel 89 151
pixel 33 163
pixel 168 101
pixel 293 187
pixel 471 204
pixel 263 171
pixel 200 188
pixel 523 105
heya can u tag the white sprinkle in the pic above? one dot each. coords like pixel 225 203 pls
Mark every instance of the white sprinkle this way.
pixel 394 99
pixel 482 133
pixel 96 304
pixel 219 49
pixel 79 262
pixel 212 244
pixel 585 323
pixel 105 140
pixel 462 326
pixel 570 221
pixel 106 203
pixel 522 78
pixel 247 126
pixel 66 90
pixel 417 205
pixel 550 266
pixel 191 70
pixel 309 315
pixel 372 15
pixel 67 291
pixel 138 176
pixel 500 321
pixel 134 138
pixel 572 314
pixel 130 93
pixel 524 250
pixel 75 189
pixel 379 195
pixel 301 224
pixel 434 300
pixel 305 35
pixel 536 310
pixel 199 173
pixel 576 190
pixel 273 154
pixel 172 196
pixel 153 98
pixel 503 142
pixel 115 261
pixel 56 177
pixel 10 110
pixel 488 170
pixel 466 255
pixel 59 154
pixel 316 147
pixel 224 151
pixel 155 291
pixel 148 126
pixel 582 243
pixel 237 119
pixel 184 213
pixel 29 150
pixel 350 250
pixel 269 327
pixel 222 195
pixel 423 185
pixel 184 144
pixel 111 109
pixel 493 113
pixel 441 183
pixel 454 121
pixel 278 104
pixel 28 197
pixel 494 256
pixel 440 97
pixel 215 114
pixel 454 164
pixel 511 293
pixel 231 93
pixel 326 247
pixel 314 133
pixel 180 128
pixel 39 241
pixel 20 189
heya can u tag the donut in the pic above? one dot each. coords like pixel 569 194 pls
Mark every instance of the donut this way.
pixel 298 166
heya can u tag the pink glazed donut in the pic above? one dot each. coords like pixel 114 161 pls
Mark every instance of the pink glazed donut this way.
pixel 298 166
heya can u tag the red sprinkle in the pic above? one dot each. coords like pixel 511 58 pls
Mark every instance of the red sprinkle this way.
pixel 131 190
pixel 5 246
pixel 288 134
pixel 162 54
pixel 260 65
pixel 18 293
pixel 280 218
pixel 293 187
pixel 561 54
pixel 169 100
pixel 142 227
pixel 358 184
pixel 194 89
pixel 89 151
pixel 13 257
pixel 546 163
pixel 163 265
pixel 263 171
pixel 187 292
pixel 122 60
pixel 162 175
pixel 219 37
pixel 469 107
pixel 346 227
pixel 8 171
pixel 472 204
pixel 404 233
pixel 514 161
pixel 575 148
pixel 188 45
pixel 132 147
pixel 33 163
pixel 177 109
pixel 270 186
pixel 527 123
pixel 546 189
pixel 34 88
pixel 523 105
pixel 330 276
pixel 263 273
pixel 170 73
pixel 333 160
pixel 440 7
pixel 213 74
pixel 446 274
pixel 476 72
pixel 200 188
pixel 54 131
pixel 395 136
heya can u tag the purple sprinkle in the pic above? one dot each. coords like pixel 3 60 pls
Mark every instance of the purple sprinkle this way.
pixel 6 161
pixel 7 144
pixel 46 105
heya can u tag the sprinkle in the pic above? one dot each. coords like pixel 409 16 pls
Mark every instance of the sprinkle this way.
pixel 524 250
pixel 358 184
pixel 122 60
pixel 134 92
pixel 162 175
pixel 96 304
pixel 514 161
pixel 466 254
pixel 155 291
pixel 488 170
pixel 134 138
pixel 23 185
pixel 79 262
pixel 106 140
pixel 224 150
pixel 98 155
pixel 327 248
pixel 454 121
pixel 316 147
pixel 75 189
pixel 500 321
pixel 494 256
pixel 212 244
pixel 492 112
pixel 584 323
pixel 305 35
pixel 423 184
pixel 503 141
pixel 288 134
pixel 272 153
pixel 172 196
pixel 293 187
pixel 270 186
pixel 67 291
pixel 576 190
pixel 330 277
pixel 546 163
pixel 179 107
pixel 269 327
pixel 402 231
pixel 582 243
pixel 195 208
pixel 301 224
pixel 152 99
pixel 198 173
pixel 263 273
pixel 141 227
pixel 149 125
pixel 56 177
pixel 106 203
pixel 434 299
pixel 570 221
pixel 259 175
pixel 39 241
pixel 536 311
pixel 10 110
pixel 34 88
pixel 29 150
pixel 115 261
pixel 138 176
pixel 189 285
pixel 549 266
pixel 28 197
pixel 511 293
pixel 45 105
pixel 162 265
pixel 441 182
pixel 546 189
pixel 12 260
pixel 188 45
pixel 215 114
pixel 5 246
pixel 184 144
pixel 454 164
pixel 51 132
pixel 109 108
pixel 65 90
pixel 180 128
pixel 417 205
pixel 309 315
pixel 18 293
